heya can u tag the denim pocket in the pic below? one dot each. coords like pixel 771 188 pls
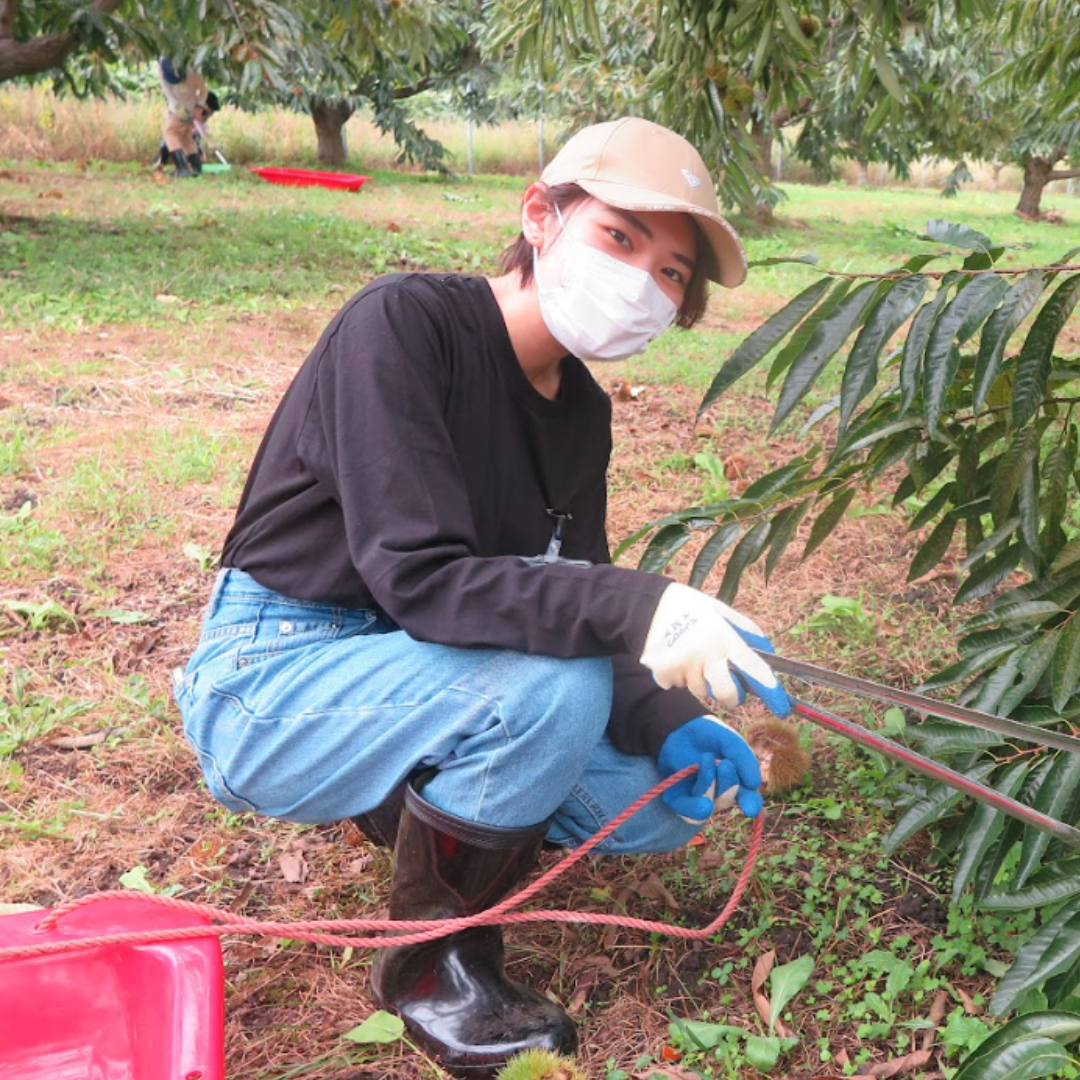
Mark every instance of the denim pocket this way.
pixel 291 627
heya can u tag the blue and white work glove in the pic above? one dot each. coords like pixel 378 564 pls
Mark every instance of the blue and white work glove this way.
pixel 727 772
pixel 699 642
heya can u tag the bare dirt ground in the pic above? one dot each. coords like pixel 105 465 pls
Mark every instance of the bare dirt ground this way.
pixel 78 815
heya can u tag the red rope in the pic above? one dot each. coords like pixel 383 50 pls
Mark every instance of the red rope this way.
pixel 328 931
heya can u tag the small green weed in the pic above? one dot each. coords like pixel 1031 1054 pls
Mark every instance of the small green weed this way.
pixel 138 701
pixel 735 1047
pixel 14 448
pixel 842 615
pixel 188 457
pixel 137 879
pixel 715 486
pixel 203 557
pixel 45 615
pixel 26 544
pixel 26 716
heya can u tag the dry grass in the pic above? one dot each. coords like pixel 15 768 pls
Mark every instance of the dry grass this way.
pixel 37 125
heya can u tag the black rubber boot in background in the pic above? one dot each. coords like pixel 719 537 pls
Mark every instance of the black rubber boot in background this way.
pixel 195 163
pixel 453 993
pixel 181 162
pixel 380 825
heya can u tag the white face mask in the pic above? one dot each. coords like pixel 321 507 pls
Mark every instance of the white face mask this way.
pixel 602 308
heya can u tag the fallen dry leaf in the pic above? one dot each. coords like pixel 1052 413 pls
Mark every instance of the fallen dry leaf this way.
pixel 293 867
pixel 758 979
pixel 668 1072
pixel 145 645
pixel 587 973
pixel 936 1015
pixel 761 971
pixel 654 889
pixel 82 742
pixel 915 1060
pixel 359 865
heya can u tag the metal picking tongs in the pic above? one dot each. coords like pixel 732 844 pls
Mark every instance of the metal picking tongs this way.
pixel 919 702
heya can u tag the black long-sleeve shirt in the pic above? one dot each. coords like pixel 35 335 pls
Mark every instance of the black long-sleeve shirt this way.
pixel 412 466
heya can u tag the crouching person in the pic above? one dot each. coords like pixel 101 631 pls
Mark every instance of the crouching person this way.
pixel 417 623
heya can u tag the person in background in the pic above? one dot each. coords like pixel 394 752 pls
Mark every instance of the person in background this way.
pixel 417 623
pixel 190 104
pixel 202 120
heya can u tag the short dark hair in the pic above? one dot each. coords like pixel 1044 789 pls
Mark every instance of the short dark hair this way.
pixel 518 257
pixel 212 103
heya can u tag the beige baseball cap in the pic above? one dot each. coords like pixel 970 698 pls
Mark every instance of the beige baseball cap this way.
pixel 635 164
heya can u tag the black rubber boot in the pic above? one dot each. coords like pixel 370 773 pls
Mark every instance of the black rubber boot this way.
pixel 380 825
pixel 195 163
pixel 453 993
pixel 181 162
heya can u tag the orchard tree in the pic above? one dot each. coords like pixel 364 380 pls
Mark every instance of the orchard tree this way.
pixel 79 42
pixel 40 36
pixel 991 93
pixel 1049 67
pixel 327 59
pixel 874 80
pixel 730 75
pixel 385 55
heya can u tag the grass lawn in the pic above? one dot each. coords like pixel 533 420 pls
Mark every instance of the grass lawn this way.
pixel 147 330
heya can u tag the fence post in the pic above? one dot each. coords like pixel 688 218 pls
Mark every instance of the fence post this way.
pixel 468 130
pixel 540 130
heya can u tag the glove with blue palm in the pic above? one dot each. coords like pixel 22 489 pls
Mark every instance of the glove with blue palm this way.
pixel 700 643
pixel 727 770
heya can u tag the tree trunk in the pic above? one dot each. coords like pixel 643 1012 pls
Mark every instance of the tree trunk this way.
pixel 7 18
pixel 330 118
pixel 862 173
pixel 43 53
pixel 1037 172
pixel 762 140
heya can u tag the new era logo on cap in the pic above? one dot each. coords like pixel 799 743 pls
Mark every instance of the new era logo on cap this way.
pixel 691 179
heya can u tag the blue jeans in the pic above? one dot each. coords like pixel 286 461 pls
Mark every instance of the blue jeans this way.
pixel 312 713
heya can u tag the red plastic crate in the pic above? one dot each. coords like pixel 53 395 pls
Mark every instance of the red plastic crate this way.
pixel 123 1012
pixel 312 178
